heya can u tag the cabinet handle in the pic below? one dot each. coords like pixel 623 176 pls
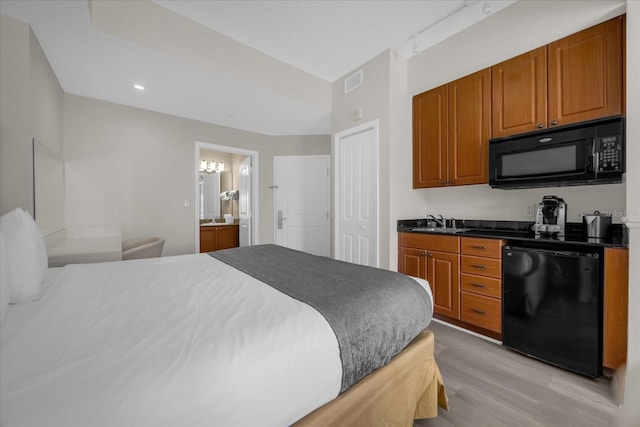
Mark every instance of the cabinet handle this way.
pixel 478 285
pixel 444 182
pixel 539 126
pixel 430 254
pixel 452 181
pixel 421 253
pixel 482 313
pixel 483 267
pixel 478 247
pixel 554 122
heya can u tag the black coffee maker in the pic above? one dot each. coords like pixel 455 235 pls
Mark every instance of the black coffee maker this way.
pixel 551 217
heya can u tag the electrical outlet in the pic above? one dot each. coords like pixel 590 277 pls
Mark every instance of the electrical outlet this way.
pixel 531 210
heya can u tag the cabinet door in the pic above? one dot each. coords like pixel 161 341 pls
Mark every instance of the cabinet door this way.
pixel 585 74
pixel 411 261
pixel 616 291
pixel 469 128
pixel 430 138
pixel 228 236
pixel 208 240
pixel 444 278
pixel 519 94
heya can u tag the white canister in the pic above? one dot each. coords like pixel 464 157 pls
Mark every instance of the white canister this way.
pixel 228 219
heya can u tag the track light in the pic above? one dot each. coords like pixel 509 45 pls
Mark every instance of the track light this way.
pixel 486 7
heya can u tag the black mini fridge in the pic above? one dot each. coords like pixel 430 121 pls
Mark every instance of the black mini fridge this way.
pixel 552 307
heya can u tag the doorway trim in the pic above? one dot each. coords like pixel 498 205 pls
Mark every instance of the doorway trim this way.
pixel 337 137
pixel 254 184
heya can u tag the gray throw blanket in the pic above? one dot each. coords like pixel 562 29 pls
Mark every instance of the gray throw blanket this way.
pixel 374 313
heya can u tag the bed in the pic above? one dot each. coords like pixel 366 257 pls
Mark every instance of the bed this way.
pixel 207 340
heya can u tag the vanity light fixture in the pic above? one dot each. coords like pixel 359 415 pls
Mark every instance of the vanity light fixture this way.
pixel 138 86
pixel 211 167
pixel 203 166
pixel 220 167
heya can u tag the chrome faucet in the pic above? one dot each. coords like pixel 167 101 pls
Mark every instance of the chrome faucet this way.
pixel 442 222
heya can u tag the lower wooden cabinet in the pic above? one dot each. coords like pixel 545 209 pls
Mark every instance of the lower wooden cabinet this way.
pixel 443 274
pixel 464 274
pixel 216 237
pixel 481 277
pixel 436 259
pixel 616 310
pixel 481 311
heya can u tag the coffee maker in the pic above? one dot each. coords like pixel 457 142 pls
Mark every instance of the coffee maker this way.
pixel 551 217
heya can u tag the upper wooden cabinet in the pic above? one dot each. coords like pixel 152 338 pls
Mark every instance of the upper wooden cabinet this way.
pixel 430 138
pixel 577 78
pixel 519 94
pixel 451 129
pixel 585 74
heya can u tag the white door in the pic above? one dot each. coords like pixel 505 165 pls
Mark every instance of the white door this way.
pixel 356 194
pixel 244 208
pixel 301 202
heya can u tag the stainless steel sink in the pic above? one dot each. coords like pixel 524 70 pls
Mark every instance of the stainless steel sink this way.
pixel 444 230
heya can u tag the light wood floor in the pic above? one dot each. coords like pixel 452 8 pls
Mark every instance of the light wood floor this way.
pixel 490 385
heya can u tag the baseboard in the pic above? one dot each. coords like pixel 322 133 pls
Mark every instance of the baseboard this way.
pixel 468 331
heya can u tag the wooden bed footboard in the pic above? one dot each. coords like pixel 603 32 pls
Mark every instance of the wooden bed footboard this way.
pixel 407 388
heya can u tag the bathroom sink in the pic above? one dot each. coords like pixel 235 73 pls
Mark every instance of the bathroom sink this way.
pixel 444 230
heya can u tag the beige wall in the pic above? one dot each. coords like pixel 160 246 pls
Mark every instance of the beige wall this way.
pixel 135 168
pixel 30 107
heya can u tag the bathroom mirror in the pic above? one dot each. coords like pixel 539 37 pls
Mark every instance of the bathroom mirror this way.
pixel 48 188
pixel 212 206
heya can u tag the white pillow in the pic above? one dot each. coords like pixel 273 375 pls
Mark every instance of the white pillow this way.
pixel 24 256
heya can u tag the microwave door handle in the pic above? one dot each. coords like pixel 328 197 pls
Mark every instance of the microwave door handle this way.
pixel 596 156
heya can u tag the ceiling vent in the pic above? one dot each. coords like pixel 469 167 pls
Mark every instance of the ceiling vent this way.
pixel 353 81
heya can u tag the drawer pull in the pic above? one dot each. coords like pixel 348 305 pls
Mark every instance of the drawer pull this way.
pixel 483 267
pixel 475 310
pixel 478 247
pixel 478 285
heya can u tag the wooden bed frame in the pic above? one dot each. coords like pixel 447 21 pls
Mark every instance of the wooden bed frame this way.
pixel 407 388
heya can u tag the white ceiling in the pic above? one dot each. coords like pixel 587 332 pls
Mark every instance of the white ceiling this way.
pixel 262 66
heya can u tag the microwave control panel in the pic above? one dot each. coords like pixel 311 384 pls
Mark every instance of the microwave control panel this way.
pixel 609 151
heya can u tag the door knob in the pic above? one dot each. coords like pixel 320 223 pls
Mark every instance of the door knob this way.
pixel 554 122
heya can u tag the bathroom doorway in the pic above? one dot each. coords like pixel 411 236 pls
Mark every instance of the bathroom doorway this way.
pixel 225 162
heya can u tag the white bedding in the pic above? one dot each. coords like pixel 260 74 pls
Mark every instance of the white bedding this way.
pixel 109 346
pixel 173 341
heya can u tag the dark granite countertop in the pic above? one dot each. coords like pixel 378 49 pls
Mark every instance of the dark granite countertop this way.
pixel 519 231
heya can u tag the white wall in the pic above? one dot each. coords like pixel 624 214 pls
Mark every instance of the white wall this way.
pixel 632 388
pixel 135 168
pixel 30 107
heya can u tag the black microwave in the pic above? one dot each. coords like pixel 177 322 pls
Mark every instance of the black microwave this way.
pixel 586 153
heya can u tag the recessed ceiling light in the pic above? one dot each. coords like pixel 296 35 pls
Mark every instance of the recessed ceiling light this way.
pixel 138 86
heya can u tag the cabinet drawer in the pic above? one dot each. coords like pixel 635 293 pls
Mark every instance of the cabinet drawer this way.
pixel 491 248
pixel 487 286
pixel 481 311
pixel 429 241
pixel 482 266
